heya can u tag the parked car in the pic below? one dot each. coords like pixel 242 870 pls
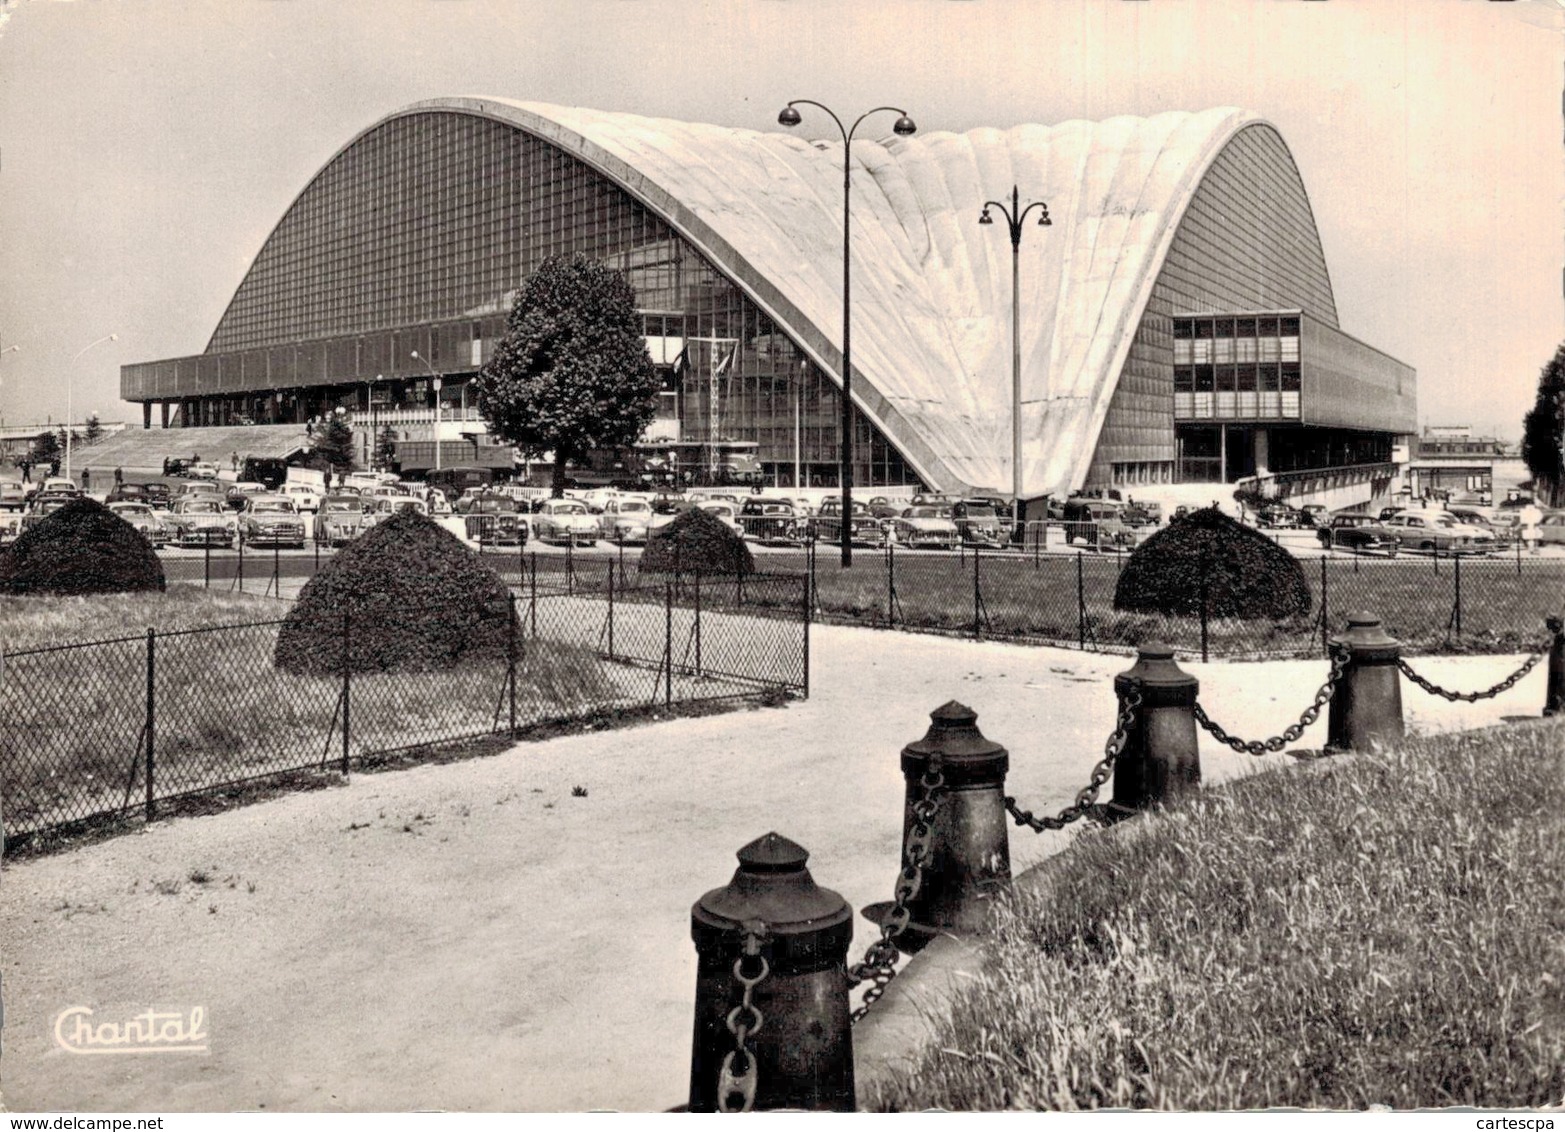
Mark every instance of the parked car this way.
pixel 865 529
pixel 1551 530
pixel 1480 521
pixel 126 493
pixel 565 521
pixel 10 527
pixel 340 520
pixel 306 497
pixel 176 466
pixel 1315 514
pixel 201 520
pixel 926 525
pixel 1096 523
pixel 493 520
pixel 1280 516
pixel 58 485
pixel 772 521
pixel 1359 532
pixel 626 519
pixel 883 508
pixel 271 520
pixel 1438 532
pixel 202 470
pixel 13 496
pixel 157 495
pixel 145 520
pixel 1388 512
pixel 726 510
pixel 978 522
pixel 43 507
pixel 1137 515
pixel 239 494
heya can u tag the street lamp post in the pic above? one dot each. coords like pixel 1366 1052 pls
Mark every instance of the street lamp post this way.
pixel 1014 217
pixel 70 385
pixel 902 128
pixel 7 350
pixel 436 383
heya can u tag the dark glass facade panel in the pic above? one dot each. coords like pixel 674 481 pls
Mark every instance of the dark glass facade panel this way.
pixel 1247 242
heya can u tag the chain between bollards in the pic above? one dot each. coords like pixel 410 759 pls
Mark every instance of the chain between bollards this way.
pixel 1473 697
pixel 1339 664
pixel 1129 704
pixel 744 1022
pixel 880 959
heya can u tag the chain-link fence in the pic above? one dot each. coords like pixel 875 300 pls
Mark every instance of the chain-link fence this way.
pixel 1461 605
pixel 123 726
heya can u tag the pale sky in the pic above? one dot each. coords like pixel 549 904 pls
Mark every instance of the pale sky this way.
pixel 147 149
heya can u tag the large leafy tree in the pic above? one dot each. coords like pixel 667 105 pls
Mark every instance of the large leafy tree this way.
pixel 572 372
pixel 1543 432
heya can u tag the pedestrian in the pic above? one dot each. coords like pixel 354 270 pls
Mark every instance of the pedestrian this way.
pixel 86 478
pixel 119 476
pixel 27 470
pixel 234 461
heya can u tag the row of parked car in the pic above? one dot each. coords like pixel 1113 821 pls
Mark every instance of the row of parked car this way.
pixel 1445 531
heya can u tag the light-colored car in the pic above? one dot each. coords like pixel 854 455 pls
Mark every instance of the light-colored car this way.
pixel 305 496
pixel 201 519
pixel 1438 532
pixel 626 519
pixel 13 496
pixel 377 509
pixel 926 525
pixel 1359 532
pixel 340 520
pixel 565 521
pixel 202 470
pixel 60 485
pixel 145 520
pixel 271 520
pixel 1551 529
pixel 726 510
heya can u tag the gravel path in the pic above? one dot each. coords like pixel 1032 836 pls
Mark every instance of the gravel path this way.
pixel 473 936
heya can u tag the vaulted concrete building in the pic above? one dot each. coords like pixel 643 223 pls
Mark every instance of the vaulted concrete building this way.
pixel 1177 317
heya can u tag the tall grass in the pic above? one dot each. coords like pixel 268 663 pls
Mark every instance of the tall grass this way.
pixel 1388 931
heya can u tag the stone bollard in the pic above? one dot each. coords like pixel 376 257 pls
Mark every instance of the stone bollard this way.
pixel 1161 759
pixel 1554 697
pixel 968 865
pixel 773 928
pixel 1366 710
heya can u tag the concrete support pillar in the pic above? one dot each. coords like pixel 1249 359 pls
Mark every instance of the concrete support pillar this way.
pixel 1261 449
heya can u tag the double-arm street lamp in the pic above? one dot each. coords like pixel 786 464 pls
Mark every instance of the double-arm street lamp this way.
pixel 70 385
pixel 903 127
pixel 1014 217
pixel 436 383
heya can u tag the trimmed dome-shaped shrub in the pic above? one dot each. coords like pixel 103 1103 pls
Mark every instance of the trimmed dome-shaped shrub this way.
pixel 417 600
pixel 1247 574
pixel 696 542
pixel 83 548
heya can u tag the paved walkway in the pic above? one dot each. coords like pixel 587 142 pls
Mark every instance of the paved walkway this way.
pixel 473 936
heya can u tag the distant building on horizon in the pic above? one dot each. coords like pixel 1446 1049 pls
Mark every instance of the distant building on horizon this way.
pixel 1178 320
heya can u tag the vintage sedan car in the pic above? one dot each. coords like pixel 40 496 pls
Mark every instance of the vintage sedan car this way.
pixel 127 493
pixel 866 529
pixel 157 496
pixel 378 510
pixel 977 522
pixel 1438 532
pixel 726 510
pixel 883 508
pixel 493 520
pixel 771 521
pixel 1316 514
pixel 42 507
pixel 306 497
pixel 1358 532
pixel 926 525
pixel 626 519
pixel 13 495
pixel 238 495
pixel 271 520
pixel 200 519
pixel 1280 516
pixel 566 521
pixel 1551 529
pixel 1096 523
pixel 202 470
pixel 145 520
pixel 340 520
pixel 10 528
pixel 1481 521
pixel 58 485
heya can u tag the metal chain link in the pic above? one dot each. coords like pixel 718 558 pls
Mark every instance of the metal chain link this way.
pixel 744 1022
pixel 1473 697
pixel 880 958
pixel 1339 663
pixel 1087 797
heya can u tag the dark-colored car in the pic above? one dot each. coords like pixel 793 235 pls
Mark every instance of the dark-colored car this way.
pixel 1280 516
pixel 773 521
pixel 269 471
pixel 176 465
pixel 128 493
pixel 1360 533
pixel 494 520
pixel 866 529
pixel 1096 523
pixel 977 522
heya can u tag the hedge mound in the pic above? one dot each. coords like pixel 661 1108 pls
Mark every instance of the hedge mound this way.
pixel 1247 574
pixel 83 548
pixel 416 598
pixel 696 542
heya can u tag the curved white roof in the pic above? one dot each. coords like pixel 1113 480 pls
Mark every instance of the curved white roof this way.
pixel 931 287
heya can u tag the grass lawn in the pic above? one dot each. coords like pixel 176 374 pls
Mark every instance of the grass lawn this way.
pixel 1501 610
pixel 1383 930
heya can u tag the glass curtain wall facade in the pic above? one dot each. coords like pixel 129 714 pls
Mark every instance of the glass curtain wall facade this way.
pixel 418 236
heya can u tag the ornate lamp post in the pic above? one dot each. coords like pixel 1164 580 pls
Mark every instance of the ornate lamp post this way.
pixel 70 385
pixel 903 127
pixel 1014 217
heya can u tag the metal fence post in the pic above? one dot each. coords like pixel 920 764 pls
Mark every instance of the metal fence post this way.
pixel 1081 602
pixel 1205 601
pixel 570 569
pixel 805 619
pixel 277 571
pixel 347 684
pixel 532 600
pixel 316 543
pixel 698 622
pixel 977 598
pixel 239 541
pixel 510 645
pixel 152 720
pixel 206 563
pixel 1457 566
pixel 891 583
pixel 611 609
pixel 1325 606
pixel 668 644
